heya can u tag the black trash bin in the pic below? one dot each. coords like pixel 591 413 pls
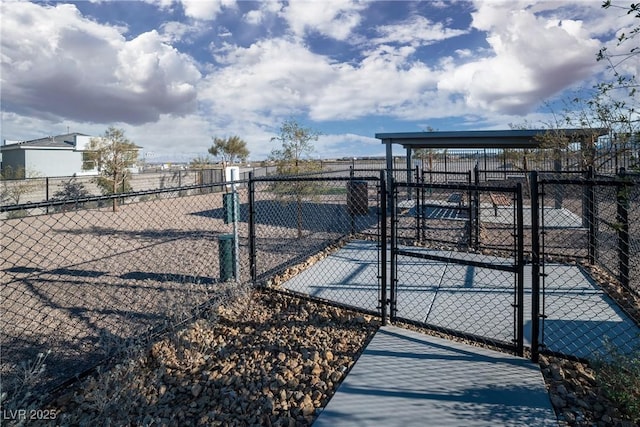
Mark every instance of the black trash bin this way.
pixel 358 197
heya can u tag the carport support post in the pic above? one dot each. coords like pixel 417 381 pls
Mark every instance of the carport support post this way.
pixel 423 219
pixel 351 193
pixel 559 189
pixel 535 268
pixel 418 207
pixel 470 209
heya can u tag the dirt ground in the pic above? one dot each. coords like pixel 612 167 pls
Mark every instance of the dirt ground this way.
pixel 83 283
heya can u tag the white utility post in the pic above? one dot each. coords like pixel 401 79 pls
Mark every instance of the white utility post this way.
pixel 236 211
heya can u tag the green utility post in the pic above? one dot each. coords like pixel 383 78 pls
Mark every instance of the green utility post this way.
pixel 227 256
pixel 228 243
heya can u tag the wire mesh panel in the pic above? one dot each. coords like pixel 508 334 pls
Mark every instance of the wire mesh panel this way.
pixel 442 278
pixel 318 236
pixel 588 302
pixel 633 209
pixel 84 279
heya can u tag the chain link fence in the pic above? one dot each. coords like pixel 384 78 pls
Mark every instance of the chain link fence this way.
pixel 317 235
pixel 82 281
pixel 83 278
pixel 589 299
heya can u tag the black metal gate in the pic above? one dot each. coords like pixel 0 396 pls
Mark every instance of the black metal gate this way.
pixel 457 260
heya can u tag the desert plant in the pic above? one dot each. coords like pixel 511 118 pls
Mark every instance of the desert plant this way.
pixel 229 149
pixel 16 182
pixel 114 155
pixel 293 159
pixel 618 376
pixel 21 395
pixel 72 190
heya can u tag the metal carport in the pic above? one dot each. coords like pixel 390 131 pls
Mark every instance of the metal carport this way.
pixel 502 139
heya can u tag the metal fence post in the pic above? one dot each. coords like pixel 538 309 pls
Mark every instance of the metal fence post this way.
pixel 622 202
pixel 476 208
pixel 423 213
pixel 252 228
pixel 383 247
pixel 591 216
pixel 351 194
pixel 46 192
pixel 470 210
pixel 392 276
pixel 535 268
pixel 416 204
pixel 520 269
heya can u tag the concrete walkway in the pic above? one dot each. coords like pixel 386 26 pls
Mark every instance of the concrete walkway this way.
pixel 405 378
pixel 473 300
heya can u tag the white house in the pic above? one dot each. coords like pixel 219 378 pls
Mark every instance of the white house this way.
pixel 60 155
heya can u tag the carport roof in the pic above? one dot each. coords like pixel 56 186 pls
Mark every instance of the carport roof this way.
pixel 483 138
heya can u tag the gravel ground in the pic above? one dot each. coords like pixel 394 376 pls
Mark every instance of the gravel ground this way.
pixel 267 358
pixel 262 358
pixel 83 283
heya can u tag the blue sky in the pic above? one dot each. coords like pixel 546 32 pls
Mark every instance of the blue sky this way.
pixel 176 73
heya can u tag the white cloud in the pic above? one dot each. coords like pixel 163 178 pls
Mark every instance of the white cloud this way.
pixel 266 10
pixel 347 145
pixel 162 4
pixel 278 77
pixel 464 53
pixel 331 18
pixel 379 85
pixel 70 70
pixel 206 10
pixel 174 31
pixel 416 31
pixel 274 77
pixel 69 67
pixel 533 58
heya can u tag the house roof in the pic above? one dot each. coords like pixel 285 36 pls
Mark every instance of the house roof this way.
pixel 59 141
pixel 482 139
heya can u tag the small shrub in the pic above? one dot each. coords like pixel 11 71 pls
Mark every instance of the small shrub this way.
pixel 618 376
pixel 21 395
pixel 22 213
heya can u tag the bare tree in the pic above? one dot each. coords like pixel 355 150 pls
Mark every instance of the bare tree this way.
pixel 15 183
pixel 293 158
pixel 114 156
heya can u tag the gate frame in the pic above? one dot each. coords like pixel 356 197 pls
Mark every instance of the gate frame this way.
pixel 517 268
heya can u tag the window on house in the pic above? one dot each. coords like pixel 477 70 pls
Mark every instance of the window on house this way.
pixel 88 161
